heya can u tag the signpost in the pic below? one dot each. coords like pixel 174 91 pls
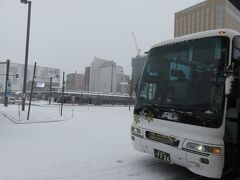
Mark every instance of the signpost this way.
pixel 40 84
pixel 9 89
pixel 73 101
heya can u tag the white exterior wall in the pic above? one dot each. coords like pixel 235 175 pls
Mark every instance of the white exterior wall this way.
pixel 232 15
pixel 103 76
pixel 107 80
pixel 17 83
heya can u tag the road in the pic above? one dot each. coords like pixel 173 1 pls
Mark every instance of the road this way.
pixel 94 144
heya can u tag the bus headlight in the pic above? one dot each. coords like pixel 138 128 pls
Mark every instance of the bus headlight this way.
pixel 204 148
pixel 136 131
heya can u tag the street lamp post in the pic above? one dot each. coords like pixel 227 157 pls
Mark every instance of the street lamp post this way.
pixel 50 93
pixel 6 83
pixel 26 52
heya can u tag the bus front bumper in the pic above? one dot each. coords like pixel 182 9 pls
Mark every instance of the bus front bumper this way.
pixel 209 166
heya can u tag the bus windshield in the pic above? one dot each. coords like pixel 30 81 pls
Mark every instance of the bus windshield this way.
pixel 186 77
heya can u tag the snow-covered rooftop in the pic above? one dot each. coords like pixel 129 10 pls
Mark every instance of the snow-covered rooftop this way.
pixel 217 32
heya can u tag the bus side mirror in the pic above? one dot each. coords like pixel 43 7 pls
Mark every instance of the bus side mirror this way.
pixel 232 76
pixel 236 55
pixel 236 50
pixel 229 85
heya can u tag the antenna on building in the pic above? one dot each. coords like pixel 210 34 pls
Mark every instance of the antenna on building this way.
pixel 136 45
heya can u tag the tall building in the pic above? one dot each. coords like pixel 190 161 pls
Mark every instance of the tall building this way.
pixel 210 14
pixel 137 67
pixel 87 78
pixel 75 82
pixel 120 75
pixel 122 84
pixel 103 76
pixel 43 75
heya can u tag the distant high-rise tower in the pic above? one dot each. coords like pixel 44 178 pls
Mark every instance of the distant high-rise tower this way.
pixel 87 78
pixel 137 67
pixel 210 14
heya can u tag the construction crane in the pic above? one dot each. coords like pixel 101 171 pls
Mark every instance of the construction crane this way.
pixel 136 45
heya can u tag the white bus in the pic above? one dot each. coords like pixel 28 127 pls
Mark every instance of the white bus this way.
pixel 188 103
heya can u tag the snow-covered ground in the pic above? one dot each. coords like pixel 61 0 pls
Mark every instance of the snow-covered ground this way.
pixel 93 144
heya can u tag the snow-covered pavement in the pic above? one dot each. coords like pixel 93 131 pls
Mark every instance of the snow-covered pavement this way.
pixel 94 144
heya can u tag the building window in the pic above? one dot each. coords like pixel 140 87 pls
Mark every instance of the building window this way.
pixel 185 25
pixel 202 20
pixel 177 27
pixel 193 23
pixel 181 26
pixel 219 15
pixel 212 18
pixel 207 19
pixel 198 22
pixel 189 23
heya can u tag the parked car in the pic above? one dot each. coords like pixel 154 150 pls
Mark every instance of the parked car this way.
pixel 11 100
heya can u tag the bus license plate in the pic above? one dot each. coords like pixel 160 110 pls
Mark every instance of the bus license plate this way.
pixel 162 155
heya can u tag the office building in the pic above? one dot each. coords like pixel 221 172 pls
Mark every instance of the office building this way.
pixel 207 15
pixel 137 67
pixel 103 76
pixel 122 84
pixel 75 82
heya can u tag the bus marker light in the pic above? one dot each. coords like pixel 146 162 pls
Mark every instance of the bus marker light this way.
pixel 221 32
pixel 136 132
pixel 214 150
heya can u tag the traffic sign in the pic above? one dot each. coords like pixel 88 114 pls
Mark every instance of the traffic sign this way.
pixel 9 88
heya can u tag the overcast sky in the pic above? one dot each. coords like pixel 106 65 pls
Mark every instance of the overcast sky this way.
pixel 68 34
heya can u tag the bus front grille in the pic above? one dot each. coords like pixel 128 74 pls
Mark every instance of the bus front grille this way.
pixel 162 138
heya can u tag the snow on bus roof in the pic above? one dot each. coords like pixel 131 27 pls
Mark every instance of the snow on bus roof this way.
pixel 216 32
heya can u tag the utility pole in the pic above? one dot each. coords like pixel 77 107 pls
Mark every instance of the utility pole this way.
pixel 26 52
pixel 63 87
pixel 6 83
pixel 112 79
pixel 50 93
pixel 30 101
